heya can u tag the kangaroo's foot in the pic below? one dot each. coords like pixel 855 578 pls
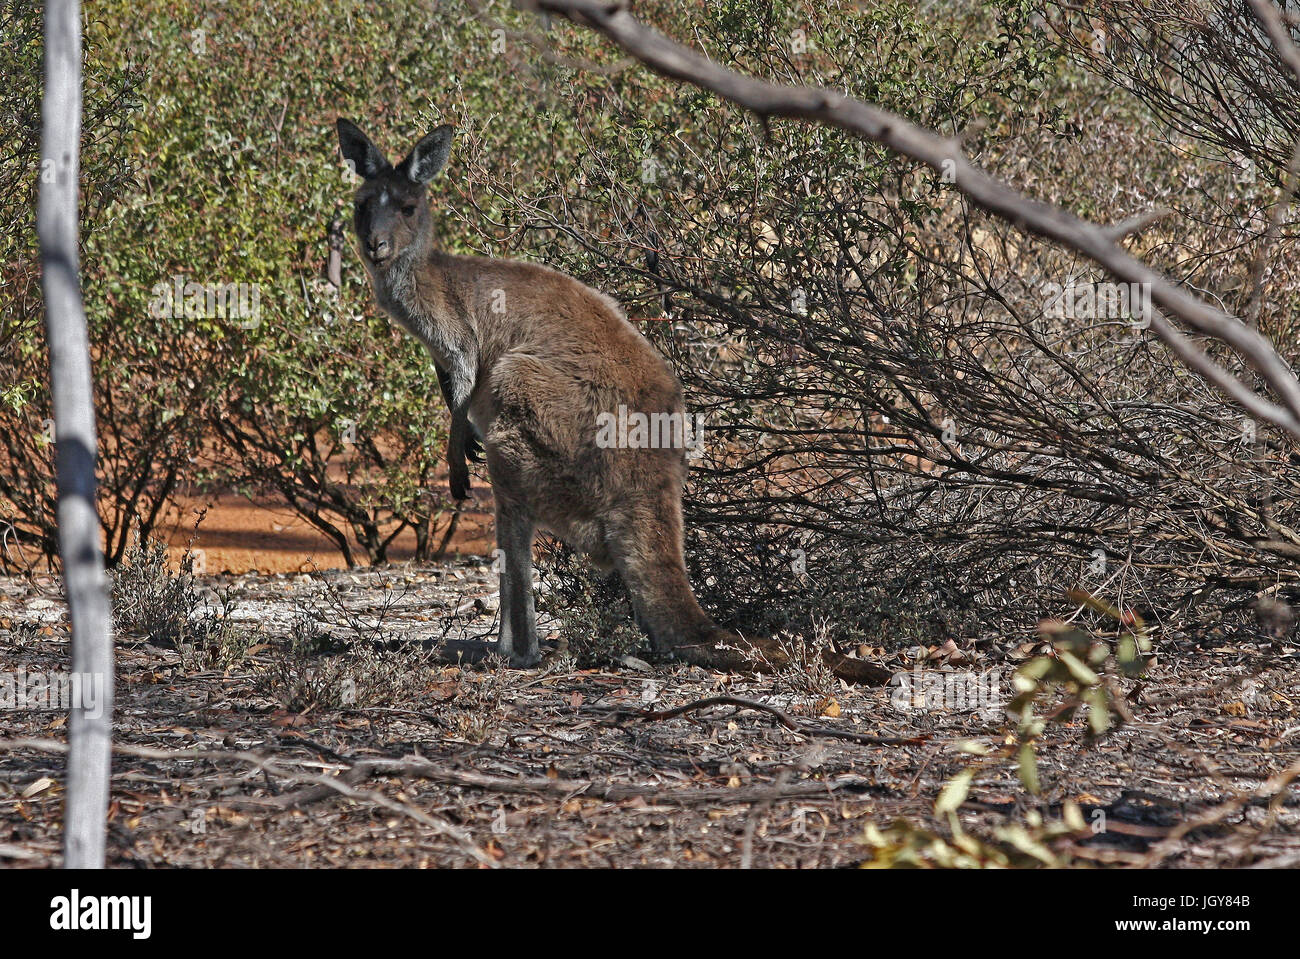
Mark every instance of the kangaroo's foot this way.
pixel 524 657
pixel 728 654
pixel 857 671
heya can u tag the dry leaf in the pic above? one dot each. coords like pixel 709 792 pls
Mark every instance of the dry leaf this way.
pixel 42 784
pixel 444 691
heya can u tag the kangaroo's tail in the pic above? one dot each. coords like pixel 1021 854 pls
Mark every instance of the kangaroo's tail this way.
pixel 650 558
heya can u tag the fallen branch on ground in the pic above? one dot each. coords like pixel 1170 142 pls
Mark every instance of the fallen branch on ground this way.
pixel 274 767
pixel 322 786
pixel 785 719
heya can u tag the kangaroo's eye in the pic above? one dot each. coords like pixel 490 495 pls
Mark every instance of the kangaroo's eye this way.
pixel 408 210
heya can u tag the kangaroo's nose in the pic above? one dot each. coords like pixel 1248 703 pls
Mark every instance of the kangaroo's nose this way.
pixel 378 248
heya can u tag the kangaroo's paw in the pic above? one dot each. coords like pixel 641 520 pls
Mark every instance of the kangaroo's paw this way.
pixel 459 480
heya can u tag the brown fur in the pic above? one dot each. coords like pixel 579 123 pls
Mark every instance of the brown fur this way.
pixel 529 358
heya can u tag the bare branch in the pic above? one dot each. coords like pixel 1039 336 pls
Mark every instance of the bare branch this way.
pixel 943 154
pixel 1271 18
pixel 1136 224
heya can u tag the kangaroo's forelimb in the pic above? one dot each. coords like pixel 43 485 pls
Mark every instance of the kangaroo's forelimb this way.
pixel 464 442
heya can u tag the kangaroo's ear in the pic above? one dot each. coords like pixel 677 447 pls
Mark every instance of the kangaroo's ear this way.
pixel 356 146
pixel 428 156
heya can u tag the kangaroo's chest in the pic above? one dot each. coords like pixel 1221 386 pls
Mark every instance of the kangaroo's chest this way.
pixel 397 295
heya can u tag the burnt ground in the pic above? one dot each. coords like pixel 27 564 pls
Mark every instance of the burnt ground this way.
pixel 318 729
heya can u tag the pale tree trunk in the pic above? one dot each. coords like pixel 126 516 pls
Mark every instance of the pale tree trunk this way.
pixel 89 729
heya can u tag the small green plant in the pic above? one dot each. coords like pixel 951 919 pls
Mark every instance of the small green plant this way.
pixel 806 674
pixel 1033 843
pixel 595 616
pixel 168 608
pixel 479 699
pixel 149 599
pixel 1084 666
pixel 1081 668
pixel 316 669
pixel 308 638
pixel 213 639
pixel 903 845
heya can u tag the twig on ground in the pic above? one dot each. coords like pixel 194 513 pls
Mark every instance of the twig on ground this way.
pixel 1271 790
pixel 273 767
pixel 757 812
pixel 784 718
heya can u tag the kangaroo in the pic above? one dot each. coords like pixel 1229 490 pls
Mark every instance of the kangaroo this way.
pixel 529 360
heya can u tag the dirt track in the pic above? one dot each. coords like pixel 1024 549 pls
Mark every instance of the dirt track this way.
pixel 240 536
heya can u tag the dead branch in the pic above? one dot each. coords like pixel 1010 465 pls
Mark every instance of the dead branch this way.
pixel 786 720
pixel 320 785
pixel 944 155
pixel 1270 791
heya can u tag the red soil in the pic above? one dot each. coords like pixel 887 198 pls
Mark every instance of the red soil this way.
pixel 238 535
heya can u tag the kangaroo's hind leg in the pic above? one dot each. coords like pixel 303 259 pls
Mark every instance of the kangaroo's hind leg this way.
pixel 517 641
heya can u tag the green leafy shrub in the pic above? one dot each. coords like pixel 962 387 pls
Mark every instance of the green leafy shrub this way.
pixel 142 450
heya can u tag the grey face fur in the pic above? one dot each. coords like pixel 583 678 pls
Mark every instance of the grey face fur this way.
pixel 393 226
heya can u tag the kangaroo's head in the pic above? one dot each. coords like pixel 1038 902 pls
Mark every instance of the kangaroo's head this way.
pixel 391 216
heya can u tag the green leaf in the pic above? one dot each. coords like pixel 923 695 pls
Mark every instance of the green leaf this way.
pixel 1098 709
pixel 1078 670
pixel 954 792
pixel 1028 768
